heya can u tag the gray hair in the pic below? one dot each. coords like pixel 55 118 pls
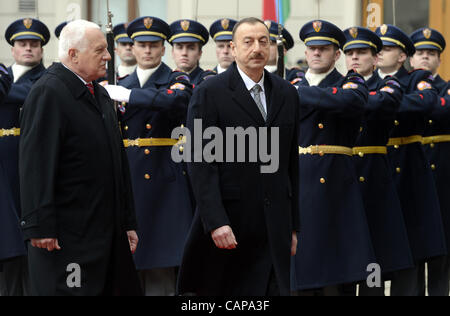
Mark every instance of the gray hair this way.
pixel 73 36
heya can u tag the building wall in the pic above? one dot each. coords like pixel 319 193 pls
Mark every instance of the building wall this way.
pixel 344 13
pixel 51 12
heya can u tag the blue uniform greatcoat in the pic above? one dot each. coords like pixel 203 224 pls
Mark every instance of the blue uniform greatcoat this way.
pixel 199 75
pixel 11 240
pixel 438 153
pixel 381 202
pixel 412 172
pixel 163 203
pixel 334 241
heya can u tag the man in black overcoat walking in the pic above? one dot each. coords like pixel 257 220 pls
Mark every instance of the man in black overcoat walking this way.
pixel 77 208
pixel 244 229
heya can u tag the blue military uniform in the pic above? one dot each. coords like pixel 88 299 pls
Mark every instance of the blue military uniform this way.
pixel 188 31
pixel 437 148
pixel 288 41
pixel 412 173
pixel 411 170
pixel 121 36
pixel 222 30
pixel 163 203
pixel 11 240
pixel 334 241
pixel 381 202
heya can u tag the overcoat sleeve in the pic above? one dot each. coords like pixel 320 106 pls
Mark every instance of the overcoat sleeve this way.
pixel 42 128
pixel 205 176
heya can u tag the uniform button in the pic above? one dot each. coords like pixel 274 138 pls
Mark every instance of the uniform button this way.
pixel 396 146
pixel 361 155
pixel 321 126
pixel 184 173
pixel 148 126
pixel 430 122
pixel 147 152
pixel 398 170
pixel 433 167
pixel 181 149
pixel 361 129
pixel 126 128
pixel 182 125
pixel 147 176
pixel 321 154
pixel 396 123
pixel 432 145
pixel 322 180
pixel 362 179
pixel 22 223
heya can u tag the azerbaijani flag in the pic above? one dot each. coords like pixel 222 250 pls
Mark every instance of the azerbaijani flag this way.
pixel 276 10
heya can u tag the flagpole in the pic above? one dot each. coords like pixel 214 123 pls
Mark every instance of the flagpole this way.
pixel 318 9
pixel 237 10
pixel 394 13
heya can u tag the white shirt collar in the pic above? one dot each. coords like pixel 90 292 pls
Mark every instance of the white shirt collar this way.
pixel 19 70
pixel 271 68
pixel 249 83
pixel 316 79
pixel 125 70
pixel 82 80
pixel 367 78
pixel 220 69
pixel 383 75
pixel 145 74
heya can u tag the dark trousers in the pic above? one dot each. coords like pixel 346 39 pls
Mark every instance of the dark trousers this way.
pixel 438 276
pixel 366 291
pixel 14 277
pixel 272 286
pixel 410 282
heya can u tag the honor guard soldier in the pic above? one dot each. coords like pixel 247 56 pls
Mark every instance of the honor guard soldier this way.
pixel 124 51
pixel 335 246
pixel 156 102
pixel 288 43
pixel 381 202
pixel 412 173
pixel 221 32
pixel 27 38
pixel 187 39
pixel 430 44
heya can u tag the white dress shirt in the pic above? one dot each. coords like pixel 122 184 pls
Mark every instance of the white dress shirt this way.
pixel 145 74
pixel 315 79
pixel 249 84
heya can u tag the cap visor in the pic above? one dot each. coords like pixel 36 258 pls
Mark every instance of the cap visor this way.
pixel 432 47
pixel 355 46
pixel 125 40
pixel 148 38
pixel 320 43
pixel 224 38
pixel 186 39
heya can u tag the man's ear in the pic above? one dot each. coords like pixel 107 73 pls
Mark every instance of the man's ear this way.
pixel 73 54
pixel 233 49
pixel 338 54
pixel 402 58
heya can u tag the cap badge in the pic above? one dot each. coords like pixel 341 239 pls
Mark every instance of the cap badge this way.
pixel 28 22
pixel 317 25
pixel 185 25
pixel 427 33
pixel 354 32
pixel 148 22
pixel 225 24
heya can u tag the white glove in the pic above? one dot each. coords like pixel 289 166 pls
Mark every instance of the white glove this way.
pixel 118 93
